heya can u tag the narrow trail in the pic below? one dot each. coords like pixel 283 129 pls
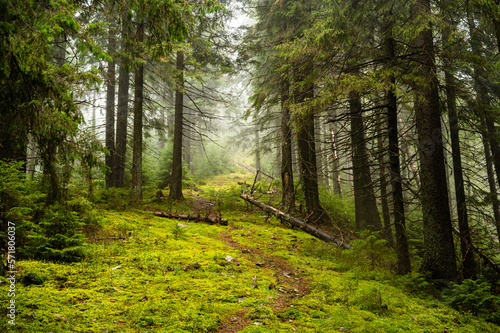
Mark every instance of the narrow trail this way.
pixel 289 282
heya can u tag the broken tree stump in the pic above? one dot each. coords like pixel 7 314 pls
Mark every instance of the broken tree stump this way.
pixel 296 222
pixel 188 217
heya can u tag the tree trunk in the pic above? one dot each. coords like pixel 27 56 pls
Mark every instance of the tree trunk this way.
pixel 402 248
pixel 365 204
pixel 176 180
pixel 439 250
pixel 469 265
pixel 493 196
pixel 122 110
pixel 138 120
pixel 337 187
pixel 110 106
pixel 258 165
pixel 121 127
pixel 287 186
pixel 386 215
pixel 308 169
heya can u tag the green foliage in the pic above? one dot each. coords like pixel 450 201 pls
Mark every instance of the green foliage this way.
pixel 372 247
pixel 341 210
pixel 165 170
pixel 178 231
pixel 475 297
pixel 55 237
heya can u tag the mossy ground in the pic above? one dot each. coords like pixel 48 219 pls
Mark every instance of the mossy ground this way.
pixel 166 278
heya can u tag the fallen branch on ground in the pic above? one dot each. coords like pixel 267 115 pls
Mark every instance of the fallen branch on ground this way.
pixel 481 254
pixel 296 222
pixel 187 217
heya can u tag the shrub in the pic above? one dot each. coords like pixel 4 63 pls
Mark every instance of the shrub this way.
pixel 475 297
pixel 55 236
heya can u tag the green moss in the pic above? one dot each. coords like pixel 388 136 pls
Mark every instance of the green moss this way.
pixel 148 282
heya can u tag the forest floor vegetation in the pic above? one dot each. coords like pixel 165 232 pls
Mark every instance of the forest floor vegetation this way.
pixel 144 273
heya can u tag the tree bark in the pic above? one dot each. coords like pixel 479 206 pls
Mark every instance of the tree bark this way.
pixel 176 180
pixel 258 165
pixel 365 205
pixel 439 250
pixel 287 186
pixel 469 264
pixel 493 195
pixel 122 109
pixel 402 247
pixel 337 186
pixel 121 127
pixel 110 106
pixel 307 152
pixel 386 215
pixel 138 121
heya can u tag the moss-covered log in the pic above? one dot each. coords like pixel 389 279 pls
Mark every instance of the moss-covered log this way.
pixel 295 222
pixel 187 217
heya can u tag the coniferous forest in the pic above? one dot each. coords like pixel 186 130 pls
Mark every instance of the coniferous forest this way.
pixel 250 166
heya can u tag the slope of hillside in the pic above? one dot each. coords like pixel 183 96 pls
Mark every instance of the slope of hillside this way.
pixel 151 274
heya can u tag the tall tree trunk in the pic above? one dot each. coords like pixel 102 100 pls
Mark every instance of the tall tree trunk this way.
pixel 402 248
pixel 365 204
pixel 121 127
pixel 386 214
pixel 110 106
pixel 337 186
pixel 307 160
pixel 138 120
pixel 122 109
pixel 469 264
pixel 287 186
pixel 493 196
pixel 176 180
pixel 258 165
pixel 439 250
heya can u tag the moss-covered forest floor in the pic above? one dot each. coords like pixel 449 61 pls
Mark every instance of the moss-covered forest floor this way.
pixel 254 275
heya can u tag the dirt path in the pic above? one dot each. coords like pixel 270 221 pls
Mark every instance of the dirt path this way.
pixel 290 283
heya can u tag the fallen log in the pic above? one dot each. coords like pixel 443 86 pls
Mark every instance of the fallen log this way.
pixel 296 222
pixel 187 217
pixel 481 254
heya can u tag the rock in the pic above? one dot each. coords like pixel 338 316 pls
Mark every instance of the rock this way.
pixel 182 225
pixel 258 323
pixel 229 258
pixel 341 329
pixel 233 319
pixel 241 299
pixel 60 317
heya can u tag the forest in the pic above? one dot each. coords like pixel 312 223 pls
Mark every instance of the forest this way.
pixel 250 165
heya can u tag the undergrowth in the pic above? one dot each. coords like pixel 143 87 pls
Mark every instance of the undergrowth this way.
pixel 143 273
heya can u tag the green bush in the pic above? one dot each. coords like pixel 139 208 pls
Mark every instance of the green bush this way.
pixel 475 297
pixel 56 236
pixel 165 170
